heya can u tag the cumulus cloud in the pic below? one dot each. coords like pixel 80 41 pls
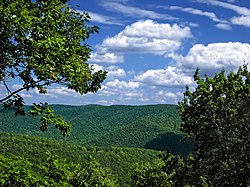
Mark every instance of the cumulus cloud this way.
pixel 146 36
pixel 242 20
pixel 162 96
pixel 123 85
pixel 123 91
pixel 113 71
pixel 61 91
pixel 215 56
pixel 170 77
pixel 108 58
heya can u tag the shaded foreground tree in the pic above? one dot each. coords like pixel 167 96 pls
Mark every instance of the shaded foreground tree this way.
pixel 216 116
pixel 43 43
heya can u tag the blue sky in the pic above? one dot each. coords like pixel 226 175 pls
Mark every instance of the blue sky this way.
pixel 152 48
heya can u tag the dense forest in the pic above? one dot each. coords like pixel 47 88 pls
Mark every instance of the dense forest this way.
pixel 104 133
pixel 121 161
pixel 152 127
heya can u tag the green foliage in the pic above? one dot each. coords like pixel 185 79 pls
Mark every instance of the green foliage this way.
pixel 152 127
pixel 151 175
pixel 216 116
pixel 164 171
pixel 92 175
pixel 16 171
pixel 35 150
pixel 49 117
pixel 43 43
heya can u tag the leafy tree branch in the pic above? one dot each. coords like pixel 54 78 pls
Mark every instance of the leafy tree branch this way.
pixel 43 43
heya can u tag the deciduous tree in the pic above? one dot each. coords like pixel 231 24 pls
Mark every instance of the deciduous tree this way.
pixel 43 43
pixel 216 116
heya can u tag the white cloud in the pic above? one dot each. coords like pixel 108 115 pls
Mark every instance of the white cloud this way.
pixel 113 71
pixel 167 94
pixel 193 24
pixel 170 77
pixel 164 96
pixel 2 91
pixel 146 36
pixel 101 18
pixel 26 95
pixel 16 86
pixel 210 15
pixel 109 58
pixel 134 11
pixel 131 72
pixel 97 67
pixel 242 20
pixel 61 91
pixel 152 29
pixel 122 84
pixel 123 91
pixel 224 26
pixel 238 9
pixel 215 56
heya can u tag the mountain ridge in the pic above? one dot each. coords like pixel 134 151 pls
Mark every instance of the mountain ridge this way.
pixel 141 126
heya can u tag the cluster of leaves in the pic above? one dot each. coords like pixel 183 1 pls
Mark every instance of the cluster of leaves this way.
pixel 43 43
pixel 162 172
pixel 217 117
pixel 16 171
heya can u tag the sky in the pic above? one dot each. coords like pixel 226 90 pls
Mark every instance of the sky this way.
pixel 151 49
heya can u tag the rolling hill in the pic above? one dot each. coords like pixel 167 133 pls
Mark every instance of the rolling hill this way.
pixel 151 126
pixel 121 161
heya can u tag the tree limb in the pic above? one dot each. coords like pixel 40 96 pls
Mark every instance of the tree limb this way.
pixel 19 90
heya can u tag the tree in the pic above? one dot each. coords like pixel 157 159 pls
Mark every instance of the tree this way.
pixel 43 43
pixel 55 171
pixel 16 171
pixel 163 171
pixel 216 116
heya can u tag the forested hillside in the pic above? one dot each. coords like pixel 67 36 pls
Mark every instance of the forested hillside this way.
pixel 152 126
pixel 121 161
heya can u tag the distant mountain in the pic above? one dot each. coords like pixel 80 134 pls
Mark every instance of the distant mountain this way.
pixel 150 126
